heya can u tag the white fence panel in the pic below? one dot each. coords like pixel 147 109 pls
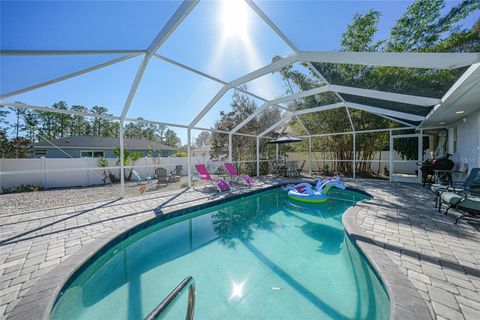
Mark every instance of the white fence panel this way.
pixel 88 172
pixel 61 179
pixel 35 178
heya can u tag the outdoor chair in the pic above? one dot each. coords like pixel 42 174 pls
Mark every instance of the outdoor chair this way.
pixel 244 179
pixel 141 179
pixel 162 176
pixel 471 182
pixel 292 170
pixel 177 171
pixel 204 176
pixel 176 174
pixel 444 183
pixel 300 170
pixel 466 200
pixel 468 206
pixel 469 209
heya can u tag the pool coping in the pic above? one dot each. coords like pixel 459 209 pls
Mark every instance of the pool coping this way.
pixel 406 303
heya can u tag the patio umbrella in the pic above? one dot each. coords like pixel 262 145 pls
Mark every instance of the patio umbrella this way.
pixel 285 139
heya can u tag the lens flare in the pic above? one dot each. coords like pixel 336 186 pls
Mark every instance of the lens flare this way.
pixel 234 18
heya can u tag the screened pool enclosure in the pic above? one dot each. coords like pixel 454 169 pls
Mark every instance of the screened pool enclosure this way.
pixel 242 71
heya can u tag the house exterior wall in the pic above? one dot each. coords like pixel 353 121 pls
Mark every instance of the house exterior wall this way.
pixel 468 141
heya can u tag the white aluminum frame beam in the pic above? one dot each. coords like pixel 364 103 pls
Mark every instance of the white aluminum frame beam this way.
pixel 254 114
pixel 376 94
pixel 277 101
pixel 180 14
pixel 356 132
pixel 394 59
pixel 205 75
pixel 383 95
pixel 275 125
pixel 387 112
pixel 289 43
pixel 396 120
pixel 241 80
pixel 302 94
pixel 65 52
pixel 109 117
pixel 183 66
pixel 320 108
pixel 349 117
pixel 303 125
pixel 134 87
pixel 70 75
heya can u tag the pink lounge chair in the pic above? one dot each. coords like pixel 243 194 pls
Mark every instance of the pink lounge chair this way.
pixel 233 173
pixel 220 184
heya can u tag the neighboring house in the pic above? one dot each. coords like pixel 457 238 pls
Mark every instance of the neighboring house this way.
pixel 97 147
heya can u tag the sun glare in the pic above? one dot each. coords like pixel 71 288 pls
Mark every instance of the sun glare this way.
pixel 234 17
pixel 237 290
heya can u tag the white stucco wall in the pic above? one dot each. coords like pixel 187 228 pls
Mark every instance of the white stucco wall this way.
pixel 468 141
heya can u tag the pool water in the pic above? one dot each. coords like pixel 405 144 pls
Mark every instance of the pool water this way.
pixel 259 257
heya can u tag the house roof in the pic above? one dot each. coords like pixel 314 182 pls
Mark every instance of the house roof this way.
pixel 93 142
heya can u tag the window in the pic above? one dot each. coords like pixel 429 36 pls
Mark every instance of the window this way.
pixel 91 154
pixel 40 153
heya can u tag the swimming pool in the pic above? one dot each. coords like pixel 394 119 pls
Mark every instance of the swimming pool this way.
pixel 258 257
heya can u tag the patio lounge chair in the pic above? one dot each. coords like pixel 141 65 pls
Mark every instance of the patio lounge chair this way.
pixel 203 175
pixel 468 206
pixel 445 183
pixel 466 201
pixel 141 179
pixel 247 180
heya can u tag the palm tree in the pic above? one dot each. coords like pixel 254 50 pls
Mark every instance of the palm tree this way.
pixel 108 176
pixel 127 158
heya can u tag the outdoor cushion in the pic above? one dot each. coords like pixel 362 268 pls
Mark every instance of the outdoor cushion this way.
pixel 469 204
pixel 222 184
pixel 451 198
pixel 205 176
pixel 248 179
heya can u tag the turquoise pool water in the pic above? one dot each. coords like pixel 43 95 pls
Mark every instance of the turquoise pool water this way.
pixel 260 257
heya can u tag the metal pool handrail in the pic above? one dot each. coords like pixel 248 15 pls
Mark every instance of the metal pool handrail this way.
pixel 170 300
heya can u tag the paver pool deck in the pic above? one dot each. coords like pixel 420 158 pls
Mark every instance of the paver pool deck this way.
pixel 441 259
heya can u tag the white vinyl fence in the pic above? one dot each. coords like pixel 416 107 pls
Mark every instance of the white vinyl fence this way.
pixel 61 173
pixel 377 163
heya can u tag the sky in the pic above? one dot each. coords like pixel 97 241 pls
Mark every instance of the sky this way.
pixel 225 41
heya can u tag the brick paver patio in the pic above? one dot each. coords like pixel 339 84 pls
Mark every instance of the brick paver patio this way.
pixel 442 260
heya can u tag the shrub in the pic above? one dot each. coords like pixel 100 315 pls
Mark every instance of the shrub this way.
pixel 22 188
